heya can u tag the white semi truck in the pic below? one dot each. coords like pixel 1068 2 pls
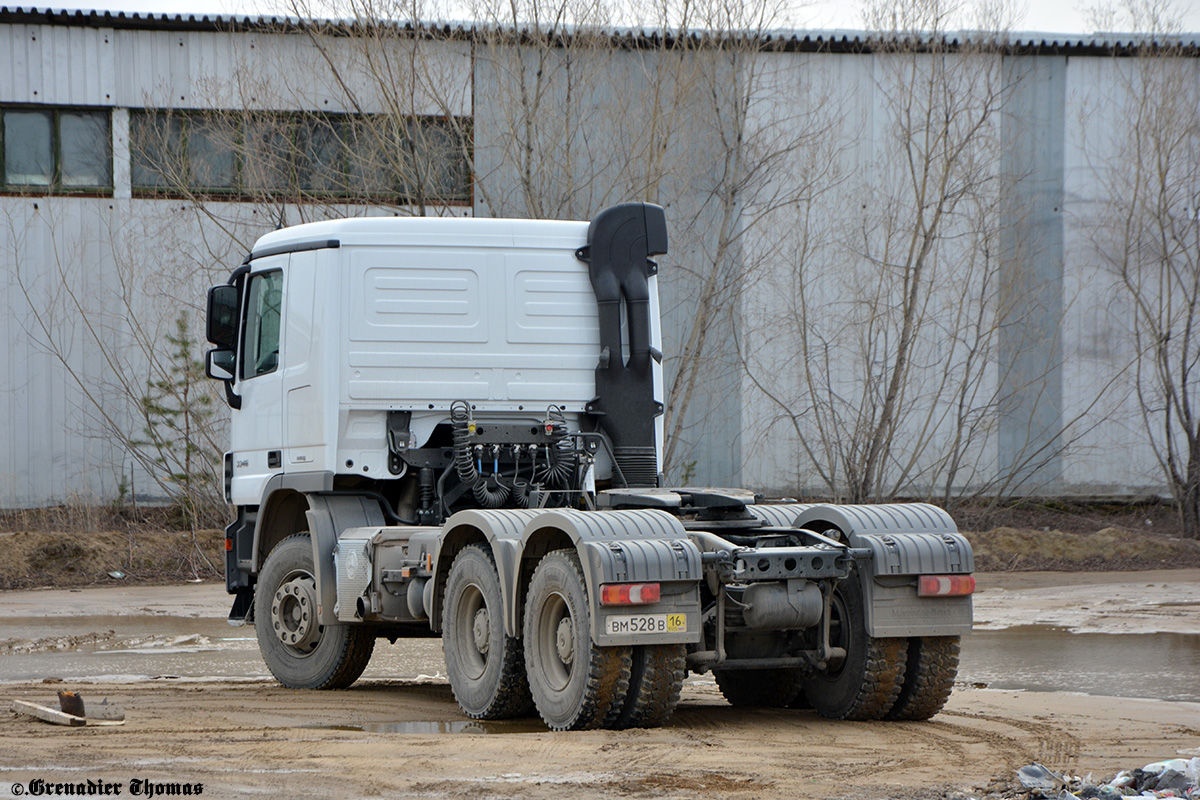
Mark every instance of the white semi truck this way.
pixel 453 427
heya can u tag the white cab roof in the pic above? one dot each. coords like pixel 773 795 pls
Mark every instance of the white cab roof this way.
pixel 430 231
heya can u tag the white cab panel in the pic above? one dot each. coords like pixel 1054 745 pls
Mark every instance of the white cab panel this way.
pixel 509 329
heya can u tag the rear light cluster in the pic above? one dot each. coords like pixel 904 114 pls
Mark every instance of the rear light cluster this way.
pixel 946 585
pixel 629 594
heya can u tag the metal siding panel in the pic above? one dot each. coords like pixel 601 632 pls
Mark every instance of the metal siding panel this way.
pixel 1031 353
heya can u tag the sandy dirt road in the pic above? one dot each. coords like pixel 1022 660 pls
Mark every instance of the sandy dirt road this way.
pixel 387 737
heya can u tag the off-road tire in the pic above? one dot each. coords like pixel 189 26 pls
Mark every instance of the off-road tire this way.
pixel 338 654
pixel 928 677
pixel 867 682
pixel 761 688
pixel 488 682
pixel 655 681
pixel 575 684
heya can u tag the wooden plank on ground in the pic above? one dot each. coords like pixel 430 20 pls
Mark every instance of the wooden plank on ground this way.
pixel 45 714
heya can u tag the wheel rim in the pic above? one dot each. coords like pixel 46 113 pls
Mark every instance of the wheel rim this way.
pixel 293 613
pixel 556 641
pixel 473 624
pixel 839 634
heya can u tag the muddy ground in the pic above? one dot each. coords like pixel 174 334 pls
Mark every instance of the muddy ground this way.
pixel 393 736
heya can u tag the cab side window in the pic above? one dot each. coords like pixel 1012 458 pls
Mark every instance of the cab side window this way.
pixel 263 310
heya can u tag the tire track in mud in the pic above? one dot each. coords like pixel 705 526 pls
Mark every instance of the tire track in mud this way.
pixel 1052 744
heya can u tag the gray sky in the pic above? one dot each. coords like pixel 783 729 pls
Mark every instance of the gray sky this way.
pixel 1056 16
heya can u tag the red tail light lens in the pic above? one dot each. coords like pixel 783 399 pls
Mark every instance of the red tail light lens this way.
pixel 946 585
pixel 629 594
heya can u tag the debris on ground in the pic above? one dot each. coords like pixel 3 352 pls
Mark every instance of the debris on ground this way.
pixel 1176 777
pixel 71 711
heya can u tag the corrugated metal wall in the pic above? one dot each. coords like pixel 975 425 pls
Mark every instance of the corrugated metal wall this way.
pixel 83 277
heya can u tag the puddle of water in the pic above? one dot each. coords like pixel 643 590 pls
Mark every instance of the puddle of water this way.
pixel 1162 666
pixel 1036 658
pixel 451 726
pixel 179 647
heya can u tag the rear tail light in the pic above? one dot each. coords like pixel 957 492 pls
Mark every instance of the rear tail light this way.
pixel 629 594
pixel 946 585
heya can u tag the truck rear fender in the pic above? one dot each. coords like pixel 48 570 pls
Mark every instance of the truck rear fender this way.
pixel 906 540
pixel 626 546
pixel 779 515
pixel 500 530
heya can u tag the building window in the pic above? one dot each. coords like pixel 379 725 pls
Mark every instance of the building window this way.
pixel 300 156
pixel 56 149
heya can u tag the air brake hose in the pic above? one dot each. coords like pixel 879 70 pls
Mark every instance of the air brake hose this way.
pixel 562 451
pixel 487 496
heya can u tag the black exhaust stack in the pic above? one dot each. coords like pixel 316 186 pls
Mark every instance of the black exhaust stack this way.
pixel 621 241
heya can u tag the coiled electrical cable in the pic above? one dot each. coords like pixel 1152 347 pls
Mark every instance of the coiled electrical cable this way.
pixel 562 461
pixel 488 496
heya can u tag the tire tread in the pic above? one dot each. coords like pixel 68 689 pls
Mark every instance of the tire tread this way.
pixel 512 697
pixel 655 683
pixel 929 677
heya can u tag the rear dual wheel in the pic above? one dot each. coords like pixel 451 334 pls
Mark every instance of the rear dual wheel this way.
pixel 867 682
pixel 575 684
pixel 928 677
pixel 486 667
pixel 655 682
pixel 578 685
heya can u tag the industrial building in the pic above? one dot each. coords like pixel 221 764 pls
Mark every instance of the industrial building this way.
pixel 955 201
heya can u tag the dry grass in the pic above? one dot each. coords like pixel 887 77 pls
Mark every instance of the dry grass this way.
pixel 1108 549
pixel 79 544
pixel 74 559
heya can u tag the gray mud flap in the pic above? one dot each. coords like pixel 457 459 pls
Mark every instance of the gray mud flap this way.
pixel 674 565
pixel 893 606
pixel 906 540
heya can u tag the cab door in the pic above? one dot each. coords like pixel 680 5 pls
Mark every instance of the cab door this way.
pixel 257 427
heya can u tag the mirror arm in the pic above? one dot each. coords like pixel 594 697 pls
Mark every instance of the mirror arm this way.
pixel 234 400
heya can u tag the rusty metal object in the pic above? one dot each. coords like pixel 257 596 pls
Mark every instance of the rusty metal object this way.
pixel 71 703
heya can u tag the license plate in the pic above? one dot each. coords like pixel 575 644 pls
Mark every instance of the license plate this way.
pixel 645 623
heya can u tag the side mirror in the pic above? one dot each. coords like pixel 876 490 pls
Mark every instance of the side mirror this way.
pixel 223 316
pixel 219 364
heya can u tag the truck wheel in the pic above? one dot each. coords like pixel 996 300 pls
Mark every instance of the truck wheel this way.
pixel 765 688
pixel 486 667
pixel 867 682
pixel 928 677
pixel 301 653
pixel 655 681
pixel 575 684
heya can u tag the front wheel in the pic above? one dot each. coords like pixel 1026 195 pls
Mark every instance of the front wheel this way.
pixel 575 684
pixel 868 680
pixel 300 652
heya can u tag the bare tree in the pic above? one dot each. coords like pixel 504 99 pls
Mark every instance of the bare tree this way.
pixel 1149 235
pixel 891 308
pixel 128 354
pixel 743 133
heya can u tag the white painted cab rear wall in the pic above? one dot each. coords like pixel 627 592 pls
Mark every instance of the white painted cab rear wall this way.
pixel 415 313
